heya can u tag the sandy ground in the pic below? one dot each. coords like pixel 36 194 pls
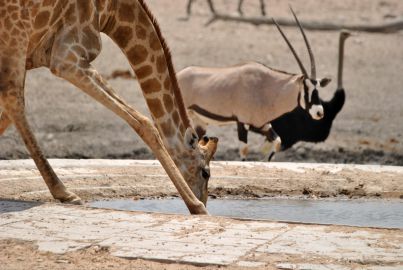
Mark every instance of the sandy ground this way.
pixel 368 130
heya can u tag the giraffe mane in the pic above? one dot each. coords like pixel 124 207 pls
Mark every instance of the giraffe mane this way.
pixel 171 69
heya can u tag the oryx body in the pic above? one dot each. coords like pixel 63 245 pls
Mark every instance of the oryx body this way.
pixel 250 93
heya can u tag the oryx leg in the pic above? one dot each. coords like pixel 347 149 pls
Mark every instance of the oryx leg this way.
pixel 5 122
pixel 243 139
pixel 86 78
pixel 273 138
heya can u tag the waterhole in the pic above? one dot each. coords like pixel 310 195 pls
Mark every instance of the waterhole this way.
pixel 365 213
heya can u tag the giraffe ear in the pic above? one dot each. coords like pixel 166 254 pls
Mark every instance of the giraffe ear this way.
pixel 191 139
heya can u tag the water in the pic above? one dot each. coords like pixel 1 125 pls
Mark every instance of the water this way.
pixel 366 213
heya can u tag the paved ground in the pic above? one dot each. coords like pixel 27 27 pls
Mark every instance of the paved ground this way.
pixel 200 240
pixel 40 235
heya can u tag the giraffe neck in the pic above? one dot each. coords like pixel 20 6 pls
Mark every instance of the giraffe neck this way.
pixel 133 28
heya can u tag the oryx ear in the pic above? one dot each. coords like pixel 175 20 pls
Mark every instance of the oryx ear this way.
pixel 191 139
pixel 324 82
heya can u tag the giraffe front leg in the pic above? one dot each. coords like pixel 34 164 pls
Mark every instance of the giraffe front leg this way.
pixel 86 78
pixel 5 122
pixel 13 103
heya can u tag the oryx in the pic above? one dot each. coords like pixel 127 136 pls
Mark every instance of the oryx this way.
pixel 297 126
pixel 250 94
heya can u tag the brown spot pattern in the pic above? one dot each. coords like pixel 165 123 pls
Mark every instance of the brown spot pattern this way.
pixel 90 39
pixel 155 42
pixel 161 64
pixel 168 103
pixel 59 7
pixel 138 54
pixel 175 117
pixel 84 10
pixel 122 36
pixel 156 107
pixel 143 17
pixel 168 129
pixel 150 86
pixel 144 71
pixel 141 33
pixel 126 13
pixel 47 2
pixel 167 83
pixel 41 19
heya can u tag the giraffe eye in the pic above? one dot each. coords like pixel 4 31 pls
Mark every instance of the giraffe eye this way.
pixel 205 173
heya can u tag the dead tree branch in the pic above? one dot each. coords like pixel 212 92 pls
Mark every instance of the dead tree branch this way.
pixel 388 27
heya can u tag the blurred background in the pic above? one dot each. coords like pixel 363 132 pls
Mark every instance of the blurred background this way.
pixel 368 130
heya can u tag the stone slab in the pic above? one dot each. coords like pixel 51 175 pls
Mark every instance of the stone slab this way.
pixel 201 240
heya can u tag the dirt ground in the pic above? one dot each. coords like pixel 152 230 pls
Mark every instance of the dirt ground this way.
pixel 368 130
pixel 109 179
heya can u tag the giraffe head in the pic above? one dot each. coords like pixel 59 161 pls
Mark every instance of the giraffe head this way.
pixel 196 163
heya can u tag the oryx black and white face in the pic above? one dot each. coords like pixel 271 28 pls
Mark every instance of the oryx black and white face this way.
pixel 309 97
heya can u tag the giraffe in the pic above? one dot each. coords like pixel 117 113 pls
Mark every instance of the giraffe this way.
pixel 64 36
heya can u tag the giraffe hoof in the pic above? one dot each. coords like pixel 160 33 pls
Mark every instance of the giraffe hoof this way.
pixel 72 199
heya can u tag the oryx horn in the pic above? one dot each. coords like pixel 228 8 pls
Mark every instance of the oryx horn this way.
pixel 311 57
pixel 301 66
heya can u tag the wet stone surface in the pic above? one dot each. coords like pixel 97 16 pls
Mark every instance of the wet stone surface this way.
pixel 359 212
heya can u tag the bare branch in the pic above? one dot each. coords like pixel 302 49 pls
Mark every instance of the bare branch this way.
pixel 387 27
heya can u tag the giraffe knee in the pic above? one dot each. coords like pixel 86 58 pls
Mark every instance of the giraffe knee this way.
pixel 59 69
pixel 148 132
pixel 12 100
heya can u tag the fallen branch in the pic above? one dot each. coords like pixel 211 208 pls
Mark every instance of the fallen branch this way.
pixel 389 27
